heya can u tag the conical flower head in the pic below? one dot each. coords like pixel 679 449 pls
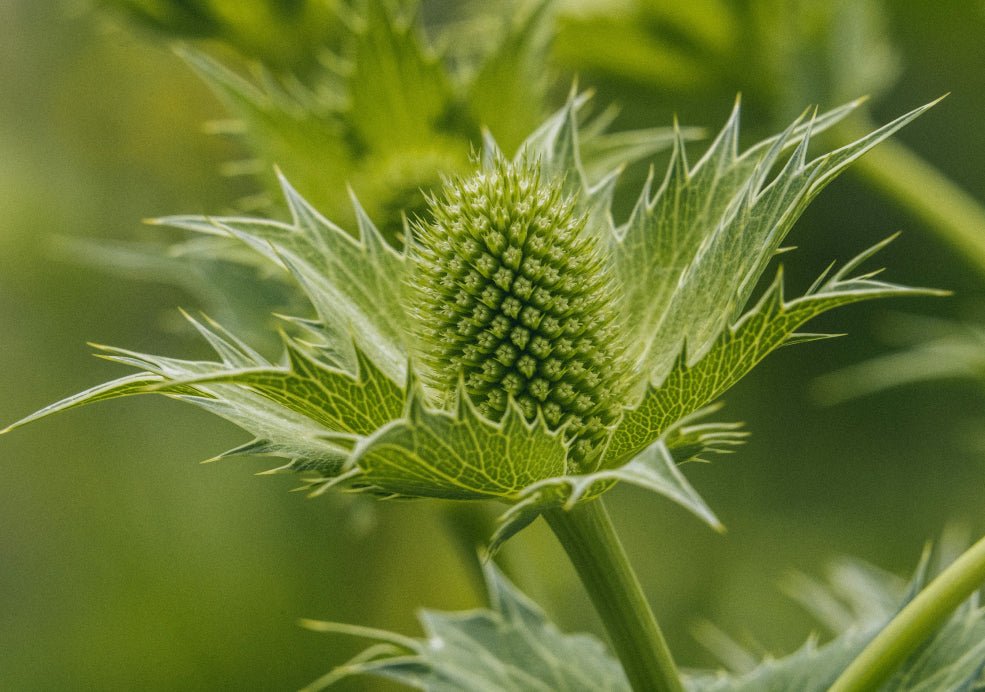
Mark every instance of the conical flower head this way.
pixel 511 295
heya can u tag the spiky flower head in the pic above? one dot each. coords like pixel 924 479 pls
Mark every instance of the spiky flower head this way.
pixel 510 294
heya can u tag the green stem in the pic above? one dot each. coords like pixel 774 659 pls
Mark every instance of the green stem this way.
pixel 915 623
pixel 590 540
pixel 957 217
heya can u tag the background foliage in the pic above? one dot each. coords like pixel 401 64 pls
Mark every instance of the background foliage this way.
pixel 124 564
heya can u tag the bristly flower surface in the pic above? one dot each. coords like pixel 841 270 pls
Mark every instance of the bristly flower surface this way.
pixel 511 294
pixel 524 347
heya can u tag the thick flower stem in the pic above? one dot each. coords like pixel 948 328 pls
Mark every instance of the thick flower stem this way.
pixel 915 623
pixel 588 537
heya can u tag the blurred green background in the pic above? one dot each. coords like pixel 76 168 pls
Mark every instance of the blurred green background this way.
pixel 124 564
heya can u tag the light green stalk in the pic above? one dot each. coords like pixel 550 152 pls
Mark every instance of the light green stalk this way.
pixel 587 535
pixel 915 623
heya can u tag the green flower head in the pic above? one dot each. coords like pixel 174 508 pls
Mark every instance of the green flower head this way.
pixel 512 296
pixel 523 346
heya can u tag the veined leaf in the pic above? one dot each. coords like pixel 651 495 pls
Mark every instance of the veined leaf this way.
pixel 334 398
pixel 277 430
pixel 354 284
pixel 459 454
pixel 770 324
pixel 511 647
pixel 335 407
pixel 579 152
pixel 691 256
pixel 138 383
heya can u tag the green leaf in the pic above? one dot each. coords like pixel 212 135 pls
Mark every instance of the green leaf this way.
pixel 812 668
pixel 277 430
pixel 953 659
pixel 286 35
pixel 398 92
pixel 576 148
pixel 852 592
pixel 692 254
pixel 585 43
pixel 653 469
pixel 770 324
pixel 507 93
pixel 381 117
pixel 389 114
pixel 689 440
pixel 301 132
pixel 936 350
pixel 779 54
pixel 508 648
pixel 236 286
pixel 355 284
pixel 459 454
pixel 334 407
pixel 139 383
pixel 334 398
pixel 857 599
pixel 602 152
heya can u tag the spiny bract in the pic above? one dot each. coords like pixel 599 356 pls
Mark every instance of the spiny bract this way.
pixel 511 295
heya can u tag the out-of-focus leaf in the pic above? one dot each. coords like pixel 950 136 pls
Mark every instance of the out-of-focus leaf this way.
pixel 779 53
pixel 511 647
pixel 858 601
pixel 510 107
pixel 937 351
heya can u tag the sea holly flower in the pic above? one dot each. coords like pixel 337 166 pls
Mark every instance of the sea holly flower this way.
pixel 512 296
pixel 523 346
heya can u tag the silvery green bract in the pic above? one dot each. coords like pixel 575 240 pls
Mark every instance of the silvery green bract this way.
pixel 346 407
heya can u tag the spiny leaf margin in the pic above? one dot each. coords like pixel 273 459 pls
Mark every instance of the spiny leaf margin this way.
pixel 766 327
